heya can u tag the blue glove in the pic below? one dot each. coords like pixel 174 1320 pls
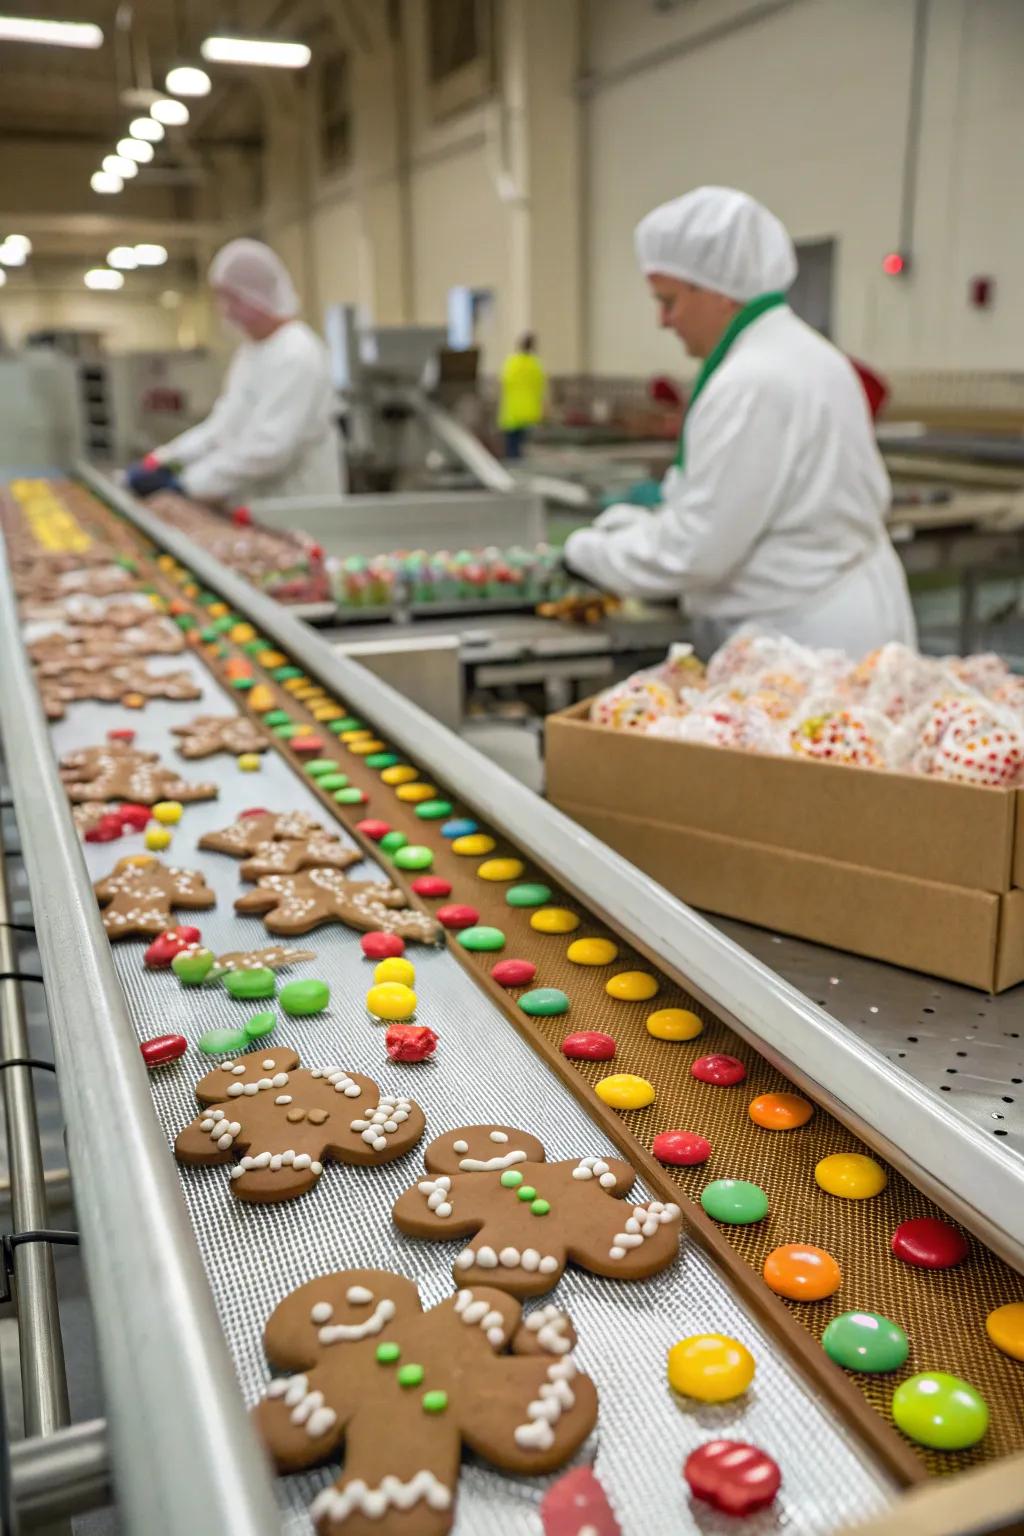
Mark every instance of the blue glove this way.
pixel 146 480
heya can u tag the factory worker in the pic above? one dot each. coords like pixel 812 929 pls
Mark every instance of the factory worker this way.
pixel 774 510
pixel 272 432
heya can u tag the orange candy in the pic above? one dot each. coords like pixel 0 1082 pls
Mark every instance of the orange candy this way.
pixel 237 666
pixel 802 1272
pixel 133 700
pixel 780 1111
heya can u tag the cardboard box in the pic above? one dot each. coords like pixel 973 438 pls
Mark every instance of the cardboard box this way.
pixel 917 872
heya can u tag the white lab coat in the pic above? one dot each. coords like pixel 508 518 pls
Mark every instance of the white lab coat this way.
pixel 271 432
pixel 778 516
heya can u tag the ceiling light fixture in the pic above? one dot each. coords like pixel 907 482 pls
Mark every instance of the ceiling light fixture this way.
pixel 146 128
pixel 186 80
pixel 59 34
pixel 135 149
pixel 122 257
pixel 120 165
pixel 253 50
pixel 150 255
pixel 12 255
pixel 19 243
pixel 105 181
pixel 103 277
pixel 173 114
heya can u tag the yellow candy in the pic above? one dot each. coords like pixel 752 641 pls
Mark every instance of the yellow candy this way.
pixel 361 734
pixel 674 1024
pixel 157 601
pixel 473 844
pixel 140 859
pixel 249 762
pixel 412 793
pixel 307 691
pixel 364 748
pixel 190 590
pixel 551 919
pixel 1005 1327
pixel 168 812
pixel 592 952
pixel 269 658
pixel 500 869
pixel 710 1367
pixel 851 1175
pixel 261 698
pixel 396 969
pixel 624 1091
pixel 399 773
pixel 157 838
pixel 240 633
pixel 391 1000
pixel 166 563
pixel 215 610
pixel 324 712
pixel 294 684
pixel 632 986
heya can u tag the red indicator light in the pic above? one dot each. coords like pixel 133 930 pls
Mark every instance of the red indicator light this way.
pixel 893 264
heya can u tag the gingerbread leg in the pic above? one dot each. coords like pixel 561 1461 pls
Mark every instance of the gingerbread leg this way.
pixel 399 1477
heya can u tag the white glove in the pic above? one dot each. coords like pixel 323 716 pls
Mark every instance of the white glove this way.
pixel 621 515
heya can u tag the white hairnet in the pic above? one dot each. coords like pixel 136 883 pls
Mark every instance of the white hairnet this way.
pixel 720 239
pixel 253 272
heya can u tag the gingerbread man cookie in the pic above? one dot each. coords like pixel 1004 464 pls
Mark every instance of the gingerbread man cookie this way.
pixel 289 1120
pixel 117 771
pixel 128 683
pixel 209 734
pixel 52 578
pixel 400 1390
pixel 295 904
pixel 152 637
pixel 280 845
pixel 529 1217
pixel 137 899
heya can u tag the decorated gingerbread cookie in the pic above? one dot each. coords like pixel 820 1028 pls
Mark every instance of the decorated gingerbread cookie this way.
pixel 128 683
pixel 289 1121
pixel 91 573
pixel 152 637
pixel 399 1391
pixel 528 1218
pixel 296 904
pixel 117 771
pixel 138 899
pixel 209 734
pixel 280 845
pixel 84 612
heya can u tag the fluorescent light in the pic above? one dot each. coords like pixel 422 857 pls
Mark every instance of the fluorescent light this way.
pixel 120 165
pixel 186 80
pixel 135 149
pixel 61 34
pixel 12 255
pixel 19 243
pixel 105 181
pixel 102 277
pixel 150 255
pixel 123 257
pixel 252 50
pixel 146 128
pixel 173 113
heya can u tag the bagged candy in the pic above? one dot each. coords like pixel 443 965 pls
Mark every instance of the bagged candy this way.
pixel 634 704
pixel 965 738
pixel 856 738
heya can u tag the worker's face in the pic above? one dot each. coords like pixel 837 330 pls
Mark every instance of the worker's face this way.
pixel 696 315
pixel 244 317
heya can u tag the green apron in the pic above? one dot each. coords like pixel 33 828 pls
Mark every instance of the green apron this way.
pixel 739 322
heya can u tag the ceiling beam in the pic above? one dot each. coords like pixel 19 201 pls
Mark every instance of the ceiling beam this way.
pixel 173 233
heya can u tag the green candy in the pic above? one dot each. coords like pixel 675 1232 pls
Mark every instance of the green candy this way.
pixel 253 647
pixel 282 674
pixel 511 1178
pixel 865 1341
pixel 206 598
pixel 387 1354
pixel 413 856
pixel 392 841
pixel 381 760
pixel 526 1192
pixel 435 1402
pixel 260 1024
pixel 318 766
pixel 299 998
pixel 410 1375
pixel 349 796
pixel 277 717
pixel 940 1411
pixel 480 937
pixel 224 623
pixel 223 1042
pixel 540 1207
pixel 255 982
pixel 433 810
pixel 125 562
pixel 734 1202
pixel 544 1002
pixel 243 684
pixel 192 966
pixel 528 895
pixel 286 732
pixel 332 780
pixel 208 635
pixel 350 723
pixel 184 621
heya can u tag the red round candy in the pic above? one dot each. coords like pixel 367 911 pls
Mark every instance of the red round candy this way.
pixel 723 1070
pixel 575 1504
pixel 136 816
pixel 242 517
pixel 514 973
pixel 588 1045
pixel 315 551
pixel 457 916
pixel 122 734
pixel 681 1148
pixel 374 829
pixel 930 1244
pixel 306 744
pixel 255 810
pixel 431 886
pixel 162 1048
pixel 381 946
pixel 733 1476
pixel 106 829
pixel 168 944
pixel 410 1042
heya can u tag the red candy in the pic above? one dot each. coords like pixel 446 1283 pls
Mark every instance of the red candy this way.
pixel 170 943
pixel 254 810
pixel 381 946
pixel 733 1476
pixel 374 829
pixel 457 916
pixel 587 1044
pixel 307 744
pixel 410 1042
pixel 106 829
pixel 723 1070
pixel 242 517
pixel 162 1048
pixel 514 973
pixel 134 816
pixel 930 1244
pixel 123 733
pixel 576 1504
pixel 681 1148
pixel 431 886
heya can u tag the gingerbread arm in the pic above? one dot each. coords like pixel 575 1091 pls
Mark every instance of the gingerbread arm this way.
pixel 214 1136
pixel 299 1420
pixel 533 1413
pixel 624 1242
pixel 441 1206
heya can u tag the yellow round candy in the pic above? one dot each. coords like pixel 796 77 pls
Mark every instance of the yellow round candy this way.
pixel 268 658
pixel 240 633
pixel 261 698
pixel 632 986
pixel 157 838
pixel 500 869
pixel 364 748
pixel 624 1091
pixel 167 812
pixel 554 920
pixel 249 762
pixel 674 1024
pixel 851 1175
pixel 592 952
pixel 710 1367
pixel 473 844
pixel 215 610
pixel 166 563
pixel 359 733
pixel 138 859
pixel 413 794
pixel 307 691
pixel 391 1000
pixel 324 712
pixel 295 684
pixel 1005 1327
pixel 396 969
pixel 157 601
pixel 399 773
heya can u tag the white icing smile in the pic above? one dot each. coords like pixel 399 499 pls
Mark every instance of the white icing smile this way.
pixel 348 1333
pixel 491 1164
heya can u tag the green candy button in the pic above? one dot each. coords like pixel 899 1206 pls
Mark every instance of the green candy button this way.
pixel 350 723
pixel 243 684
pixel 528 895
pixel 332 780
pixel 208 635
pixel 350 795
pixel 940 1411
pixel 865 1341
pixel 526 1192
pixel 223 1042
pixel 540 1207
pixel 257 982
pixel 260 1024
pixel 435 1402
pixel 410 1375
pixel 282 674
pixel 299 998
pixel 224 623
pixel 253 647
pixel 277 717
pixel 184 621
pixel 318 766
pixel 480 937
pixel 735 1202
pixel 192 966
pixel 544 1002
pixel 392 841
pixel 286 732
pixel 413 856
pixel 387 1354
pixel 433 810
pixel 511 1178
pixel 381 760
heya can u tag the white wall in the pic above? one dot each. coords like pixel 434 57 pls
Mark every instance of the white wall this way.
pixel 127 324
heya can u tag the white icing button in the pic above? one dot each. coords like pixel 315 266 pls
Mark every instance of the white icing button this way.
pixel 499 1137
pixel 460 1146
pixel 548 1265
pixel 268 1066
pixel 509 1257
